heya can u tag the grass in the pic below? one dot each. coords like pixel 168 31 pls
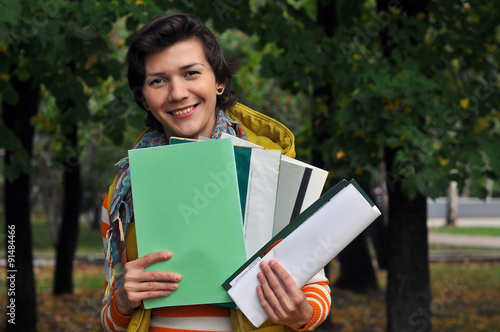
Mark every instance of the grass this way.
pixel 487 231
pixel 89 240
pixel 465 295
pixel 465 298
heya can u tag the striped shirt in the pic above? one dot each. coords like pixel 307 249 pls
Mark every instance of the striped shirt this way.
pixel 200 318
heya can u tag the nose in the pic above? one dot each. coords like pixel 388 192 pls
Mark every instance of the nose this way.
pixel 178 90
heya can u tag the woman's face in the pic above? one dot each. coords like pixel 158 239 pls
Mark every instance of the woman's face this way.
pixel 181 90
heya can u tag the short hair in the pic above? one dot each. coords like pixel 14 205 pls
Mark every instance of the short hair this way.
pixel 164 32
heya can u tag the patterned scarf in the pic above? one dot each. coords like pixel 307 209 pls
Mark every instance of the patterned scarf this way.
pixel 122 211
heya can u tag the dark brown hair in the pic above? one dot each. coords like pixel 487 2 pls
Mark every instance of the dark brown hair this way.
pixel 164 32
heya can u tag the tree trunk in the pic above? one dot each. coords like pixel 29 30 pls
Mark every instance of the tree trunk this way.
pixel 21 296
pixel 356 269
pixel 68 233
pixel 408 285
pixel 452 206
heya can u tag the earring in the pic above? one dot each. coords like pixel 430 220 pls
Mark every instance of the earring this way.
pixel 220 90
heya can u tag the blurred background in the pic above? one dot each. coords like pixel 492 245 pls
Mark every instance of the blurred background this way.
pixel 403 96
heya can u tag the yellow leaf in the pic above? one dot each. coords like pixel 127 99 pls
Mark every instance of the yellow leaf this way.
pixel 318 48
pixel 464 102
pixel 455 63
pixel 4 50
pixel 442 161
pixel 49 127
pixel 340 154
pixel 91 61
pixel 139 2
pixel 307 70
pixel 358 171
pixel 489 47
pixel 5 77
pixel 421 16
pixel 358 133
pixel 323 109
pixel 343 101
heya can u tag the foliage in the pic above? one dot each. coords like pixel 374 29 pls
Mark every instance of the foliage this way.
pixel 433 98
pixel 70 48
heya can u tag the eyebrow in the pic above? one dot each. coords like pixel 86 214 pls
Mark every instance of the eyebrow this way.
pixel 162 73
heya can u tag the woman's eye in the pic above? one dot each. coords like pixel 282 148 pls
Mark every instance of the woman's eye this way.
pixel 156 81
pixel 192 73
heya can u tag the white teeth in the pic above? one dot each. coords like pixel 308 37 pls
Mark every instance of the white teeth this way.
pixel 184 111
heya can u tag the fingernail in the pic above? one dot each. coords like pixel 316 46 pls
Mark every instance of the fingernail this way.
pixel 263 264
pixel 260 275
pixel 272 262
pixel 177 277
pixel 174 286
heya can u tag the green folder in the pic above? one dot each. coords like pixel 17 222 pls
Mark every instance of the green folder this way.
pixel 186 201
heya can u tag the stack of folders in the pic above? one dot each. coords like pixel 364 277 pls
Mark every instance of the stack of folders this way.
pixel 216 203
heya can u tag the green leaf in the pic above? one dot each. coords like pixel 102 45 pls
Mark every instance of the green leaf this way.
pixel 4 31
pixel 11 11
pixel 491 149
pixel 8 93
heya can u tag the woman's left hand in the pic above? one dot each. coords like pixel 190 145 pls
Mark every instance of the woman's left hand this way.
pixel 280 297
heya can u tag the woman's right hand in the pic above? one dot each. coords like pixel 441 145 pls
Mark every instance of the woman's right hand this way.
pixel 138 285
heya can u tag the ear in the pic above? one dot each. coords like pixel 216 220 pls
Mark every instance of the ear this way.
pixel 220 89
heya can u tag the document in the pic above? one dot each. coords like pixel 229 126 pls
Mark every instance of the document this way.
pixel 261 190
pixel 299 185
pixel 307 244
pixel 186 200
pixel 258 173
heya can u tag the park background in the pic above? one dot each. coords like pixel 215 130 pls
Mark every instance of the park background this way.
pixel 403 96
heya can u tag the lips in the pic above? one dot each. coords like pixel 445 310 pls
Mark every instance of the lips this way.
pixel 183 111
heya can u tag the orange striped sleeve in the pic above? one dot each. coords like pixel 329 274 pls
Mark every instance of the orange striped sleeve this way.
pixel 318 296
pixel 112 320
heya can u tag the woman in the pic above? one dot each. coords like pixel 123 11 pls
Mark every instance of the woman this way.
pixel 179 76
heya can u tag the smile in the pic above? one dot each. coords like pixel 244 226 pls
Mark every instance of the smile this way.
pixel 183 111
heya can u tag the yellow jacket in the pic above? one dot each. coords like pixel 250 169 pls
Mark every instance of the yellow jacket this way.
pixel 261 130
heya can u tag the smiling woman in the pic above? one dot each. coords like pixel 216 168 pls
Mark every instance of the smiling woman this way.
pixel 180 90
pixel 179 76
